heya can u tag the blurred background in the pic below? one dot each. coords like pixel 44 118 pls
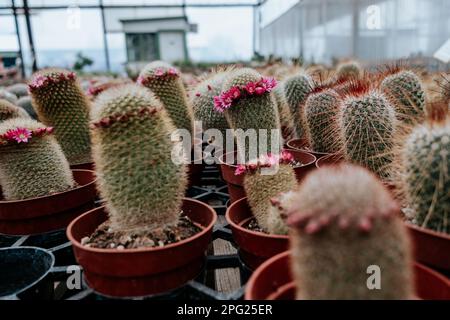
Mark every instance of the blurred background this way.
pixel 116 36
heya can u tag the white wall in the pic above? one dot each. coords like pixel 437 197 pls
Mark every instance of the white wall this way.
pixel 171 46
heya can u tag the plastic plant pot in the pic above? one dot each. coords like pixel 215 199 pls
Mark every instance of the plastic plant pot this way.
pixel 303 145
pixel 142 271
pixel 236 183
pixel 331 159
pixel 273 281
pixel 431 248
pixel 254 247
pixel 21 269
pixel 49 213
pixel 83 166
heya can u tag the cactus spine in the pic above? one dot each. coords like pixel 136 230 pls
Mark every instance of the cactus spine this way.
pixel 10 111
pixel 296 90
pixel 165 82
pixel 344 220
pixel 60 102
pixel 321 119
pixel 368 126
pixel 404 91
pixel 426 173
pixel 131 134
pixel 286 117
pixel 32 163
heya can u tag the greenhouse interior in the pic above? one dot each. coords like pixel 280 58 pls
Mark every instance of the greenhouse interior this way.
pixel 232 150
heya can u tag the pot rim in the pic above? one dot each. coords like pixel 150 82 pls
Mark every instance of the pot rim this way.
pixel 430 232
pixel 58 193
pixel 289 144
pixel 245 230
pixel 256 274
pixel 79 246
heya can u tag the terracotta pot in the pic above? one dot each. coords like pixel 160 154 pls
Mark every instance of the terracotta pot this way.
pixel 84 166
pixel 273 281
pixel 330 159
pixel 142 271
pixel 49 213
pixel 303 145
pixel 431 248
pixel 235 183
pixel 254 247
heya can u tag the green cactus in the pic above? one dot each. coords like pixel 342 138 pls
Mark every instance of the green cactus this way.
pixel 296 90
pixel 131 134
pixel 343 222
pixel 202 101
pixel 261 187
pixel 286 117
pixel 165 82
pixel 253 110
pixel 32 163
pixel 350 69
pixel 10 111
pixel 426 174
pixel 405 93
pixel 321 119
pixel 368 127
pixel 60 102
pixel 279 211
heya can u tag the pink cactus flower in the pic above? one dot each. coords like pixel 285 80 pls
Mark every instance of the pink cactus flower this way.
pixel 240 170
pixel 287 156
pixel 18 134
pixel 235 93
pixel 250 87
pixel 159 72
pixel 173 72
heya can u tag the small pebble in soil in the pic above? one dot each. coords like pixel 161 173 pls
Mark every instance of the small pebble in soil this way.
pixel 253 226
pixel 106 238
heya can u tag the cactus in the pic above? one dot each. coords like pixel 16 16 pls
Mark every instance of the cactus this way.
pixel 344 220
pixel 349 69
pixel 368 127
pixel 247 104
pixel 10 111
pixel 405 93
pixel 6 95
pixel 60 102
pixel 202 101
pixel 164 81
pixel 131 137
pixel 321 112
pixel 286 117
pixel 32 163
pixel 19 90
pixel 425 163
pixel 261 186
pixel 279 211
pixel 296 90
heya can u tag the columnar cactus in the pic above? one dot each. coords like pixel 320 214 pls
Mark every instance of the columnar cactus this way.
pixel 296 90
pixel 344 222
pixel 165 82
pixel 10 111
pixel 247 104
pixel 262 186
pixel 349 69
pixel 321 113
pixel 32 163
pixel 426 172
pixel 286 117
pixel 60 102
pixel 368 126
pixel 404 91
pixel 279 212
pixel 131 135
pixel 202 101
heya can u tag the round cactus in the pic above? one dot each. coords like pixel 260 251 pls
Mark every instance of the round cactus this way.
pixel 261 186
pixel 202 101
pixel 131 135
pixel 60 102
pixel 321 118
pixel 404 91
pixel 247 104
pixel 344 221
pixel 165 82
pixel 349 69
pixel 32 163
pixel 286 117
pixel 368 125
pixel 10 111
pixel 426 173
pixel 296 90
